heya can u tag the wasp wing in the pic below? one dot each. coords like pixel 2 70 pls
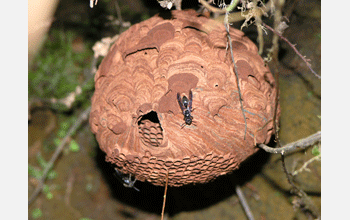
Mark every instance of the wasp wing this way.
pixel 180 102
pixel 190 101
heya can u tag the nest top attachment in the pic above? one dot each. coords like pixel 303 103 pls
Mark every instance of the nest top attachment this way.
pixel 166 100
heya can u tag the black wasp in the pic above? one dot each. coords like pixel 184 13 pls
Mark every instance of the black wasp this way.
pixel 186 107
pixel 126 181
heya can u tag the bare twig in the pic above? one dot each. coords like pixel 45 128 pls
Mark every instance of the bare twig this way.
pixel 226 24
pixel 83 117
pixel 294 48
pixel 165 191
pixel 294 146
pixel 275 120
pixel 259 29
pixel 304 167
pixel 305 200
pixel 244 203
pixel 119 13
pixel 119 20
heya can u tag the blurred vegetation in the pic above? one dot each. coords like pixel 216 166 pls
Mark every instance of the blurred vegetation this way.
pixel 64 63
pixel 57 70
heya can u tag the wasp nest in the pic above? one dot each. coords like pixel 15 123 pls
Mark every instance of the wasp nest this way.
pixel 136 114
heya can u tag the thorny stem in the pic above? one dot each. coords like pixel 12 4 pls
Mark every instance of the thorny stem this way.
pixel 294 48
pixel 82 118
pixel 236 71
pixel 305 201
pixel 276 22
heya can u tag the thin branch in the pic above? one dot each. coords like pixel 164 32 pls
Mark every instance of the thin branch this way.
pixel 259 28
pixel 119 13
pixel 293 47
pixel 275 121
pixel 83 117
pixel 236 74
pixel 244 203
pixel 305 199
pixel 307 163
pixel 165 191
pixel 294 146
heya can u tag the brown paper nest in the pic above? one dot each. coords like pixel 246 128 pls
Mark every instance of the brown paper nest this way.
pixel 135 114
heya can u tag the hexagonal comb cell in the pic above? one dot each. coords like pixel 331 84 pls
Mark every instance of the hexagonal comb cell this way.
pixel 150 131
pixel 136 114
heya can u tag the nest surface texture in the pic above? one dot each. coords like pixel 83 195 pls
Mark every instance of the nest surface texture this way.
pixel 136 116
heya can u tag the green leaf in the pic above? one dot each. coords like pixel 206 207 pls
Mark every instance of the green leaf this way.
pixel 62 132
pixel 315 151
pixel 74 146
pixel 57 141
pixel 52 175
pixel 41 160
pixel 36 213
pixel 49 195
pixel 34 172
pixel 46 188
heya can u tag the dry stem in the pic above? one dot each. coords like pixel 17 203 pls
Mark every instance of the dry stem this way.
pixel 244 203
pixel 294 146
pixel 305 200
pixel 226 24
pixel 165 191
pixel 304 167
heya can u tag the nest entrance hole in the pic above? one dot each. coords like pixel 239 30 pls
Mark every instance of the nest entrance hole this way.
pixel 150 130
